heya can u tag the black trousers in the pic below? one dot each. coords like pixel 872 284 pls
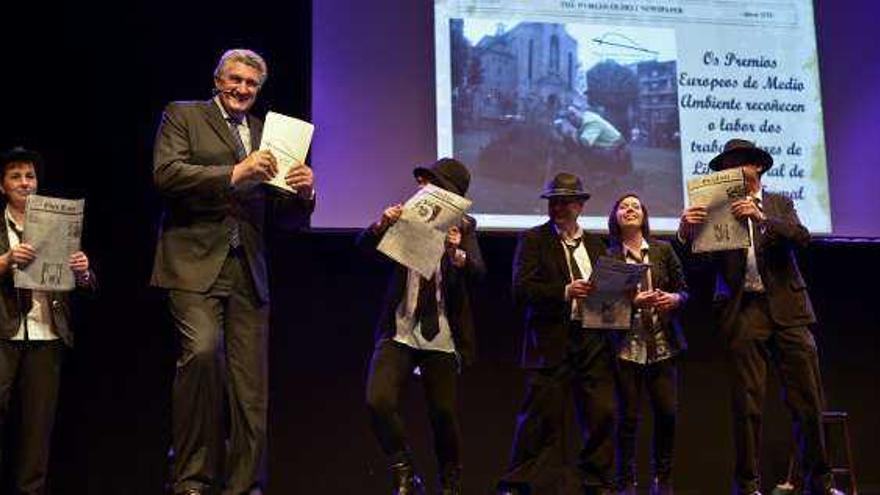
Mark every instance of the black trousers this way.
pixel 586 375
pixel 390 367
pixel 792 352
pixel 660 381
pixel 222 377
pixel 33 370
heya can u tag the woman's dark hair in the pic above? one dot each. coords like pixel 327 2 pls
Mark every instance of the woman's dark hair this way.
pixel 614 234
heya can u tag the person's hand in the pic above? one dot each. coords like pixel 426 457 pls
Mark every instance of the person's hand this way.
pixel 453 238
pixel 389 216
pixel 22 255
pixel 579 289
pixel 746 208
pixel 645 299
pixel 666 301
pixel 301 178
pixel 259 166
pixel 689 219
pixel 79 263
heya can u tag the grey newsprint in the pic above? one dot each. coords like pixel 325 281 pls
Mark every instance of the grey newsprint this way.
pixel 417 239
pixel 716 191
pixel 53 227
pixel 610 307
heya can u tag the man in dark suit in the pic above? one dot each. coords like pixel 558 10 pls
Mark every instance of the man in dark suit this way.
pixel 763 314
pixel 551 269
pixel 425 323
pixel 211 260
pixel 34 330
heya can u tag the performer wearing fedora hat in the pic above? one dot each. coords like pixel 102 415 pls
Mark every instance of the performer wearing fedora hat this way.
pixel 763 312
pixel 551 267
pixel 34 332
pixel 425 324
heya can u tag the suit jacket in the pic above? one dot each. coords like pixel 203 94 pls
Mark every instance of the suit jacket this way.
pixel 667 275
pixel 193 159
pixel 10 313
pixel 454 282
pixel 775 244
pixel 540 274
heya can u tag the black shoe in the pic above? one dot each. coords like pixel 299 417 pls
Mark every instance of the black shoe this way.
pixel 405 481
pixel 660 488
pixel 450 480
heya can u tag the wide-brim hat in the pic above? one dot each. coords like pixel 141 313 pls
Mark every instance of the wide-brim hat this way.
pixel 565 185
pixel 448 173
pixel 738 152
pixel 21 154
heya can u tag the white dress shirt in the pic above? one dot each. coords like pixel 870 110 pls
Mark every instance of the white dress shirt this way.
pixel 408 329
pixel 39 319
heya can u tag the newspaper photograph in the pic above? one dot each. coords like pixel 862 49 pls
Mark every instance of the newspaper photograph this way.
pixel 53 226
pixel 288 139
pixel 610 307
pixel 417 239
pixel 716 191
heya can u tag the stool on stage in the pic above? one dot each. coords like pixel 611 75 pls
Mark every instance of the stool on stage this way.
pixel 830 419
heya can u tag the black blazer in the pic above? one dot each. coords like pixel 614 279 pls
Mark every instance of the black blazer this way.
pixel 10 313
pixel 455 282
pixel 193 159
pixel 540 274
pixel 775 244
pixel 667 275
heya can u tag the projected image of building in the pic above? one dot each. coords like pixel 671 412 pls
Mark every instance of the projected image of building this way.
pixel 536 98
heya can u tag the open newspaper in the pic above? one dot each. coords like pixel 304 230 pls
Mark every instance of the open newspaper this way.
pixel 716 191
pixel 610 306
pixel 53 227
pixel 288 139
pixel 417 239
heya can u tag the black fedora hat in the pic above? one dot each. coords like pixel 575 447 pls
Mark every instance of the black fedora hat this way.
pixel 738 152
pixel 448 173
pixel 565 185
pixel 21 154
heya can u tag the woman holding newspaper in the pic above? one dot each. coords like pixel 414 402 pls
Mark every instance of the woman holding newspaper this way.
pixel 647 353
pixel 33 330
pixel 425 327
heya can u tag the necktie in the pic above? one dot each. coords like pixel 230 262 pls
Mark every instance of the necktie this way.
pixel 234 232
pixel 25 296
pixel 576 273
pixel 240 151
pixel 426 308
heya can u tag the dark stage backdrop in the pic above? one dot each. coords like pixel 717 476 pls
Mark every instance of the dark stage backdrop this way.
pixel 86 85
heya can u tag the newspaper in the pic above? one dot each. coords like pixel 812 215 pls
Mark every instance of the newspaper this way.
pixel 288 139
pixel 610 306
pixel 716 191
pixel 417 239
pixel 53 227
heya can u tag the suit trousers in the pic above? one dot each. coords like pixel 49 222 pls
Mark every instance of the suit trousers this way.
pixel 586 374
pixel 33 370
pixel 221 378
pixel 390 367
pixel 660 381
pixel 792 351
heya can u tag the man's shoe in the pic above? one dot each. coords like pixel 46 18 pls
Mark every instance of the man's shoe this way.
pixel 661 488
pixel 450 480
pixel 405 481
pixel 627 489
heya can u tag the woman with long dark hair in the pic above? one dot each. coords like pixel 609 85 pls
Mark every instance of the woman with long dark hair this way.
pixel 648 351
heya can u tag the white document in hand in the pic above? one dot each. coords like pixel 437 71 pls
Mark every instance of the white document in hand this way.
pixel 288 139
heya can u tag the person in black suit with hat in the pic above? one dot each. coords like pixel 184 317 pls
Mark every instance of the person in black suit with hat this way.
pixel 34 331
pixel 425 324
pixel 551 269
pixel 764 313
